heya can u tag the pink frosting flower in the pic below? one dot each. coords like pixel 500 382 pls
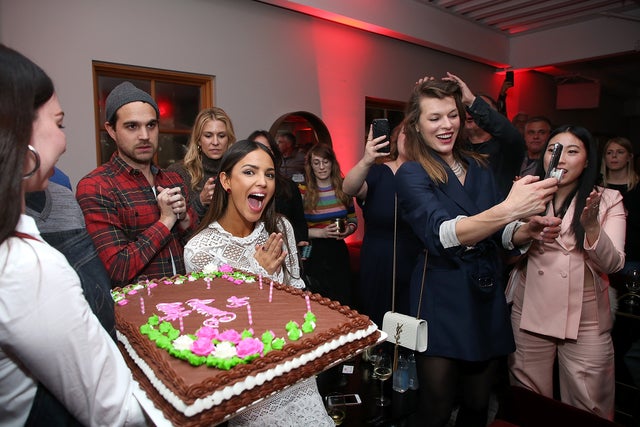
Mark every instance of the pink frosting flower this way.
pixel 230 335
pixel 249 346
pixel 226 268
pixel 202 347
pixel 238 282
pixel 207 332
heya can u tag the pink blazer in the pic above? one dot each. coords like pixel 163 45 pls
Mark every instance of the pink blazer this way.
pixel 554 273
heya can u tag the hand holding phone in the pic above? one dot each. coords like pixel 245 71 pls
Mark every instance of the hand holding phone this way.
pixel 509 77
pixel 381 127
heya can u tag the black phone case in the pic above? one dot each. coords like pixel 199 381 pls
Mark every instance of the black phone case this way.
pixel 381 127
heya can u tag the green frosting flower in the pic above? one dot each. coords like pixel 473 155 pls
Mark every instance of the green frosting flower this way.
pixel 278 343
pixel 291 325
pixel 153 320
pixel 310 317
pixel 294 334
pixel 308 327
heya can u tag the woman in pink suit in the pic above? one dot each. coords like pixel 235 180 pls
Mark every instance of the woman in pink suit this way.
pixel 560 290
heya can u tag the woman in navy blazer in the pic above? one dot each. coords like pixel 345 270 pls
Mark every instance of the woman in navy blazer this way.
pixel 452 202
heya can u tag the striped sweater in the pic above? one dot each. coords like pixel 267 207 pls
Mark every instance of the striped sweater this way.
pixel 329 208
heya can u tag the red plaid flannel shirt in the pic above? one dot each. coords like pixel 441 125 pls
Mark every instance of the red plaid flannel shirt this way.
pixel 122 217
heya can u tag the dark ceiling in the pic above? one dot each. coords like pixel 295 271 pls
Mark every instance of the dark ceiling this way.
pixel 512 17
pixel 522 16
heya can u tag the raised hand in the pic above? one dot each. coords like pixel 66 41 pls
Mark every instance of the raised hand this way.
pixel 529 196
pixel 372 146
pixel 271 254
pixel 589 216
pixel 467 96
pixel 206 195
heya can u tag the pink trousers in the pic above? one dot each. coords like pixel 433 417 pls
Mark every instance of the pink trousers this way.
pixel 586 365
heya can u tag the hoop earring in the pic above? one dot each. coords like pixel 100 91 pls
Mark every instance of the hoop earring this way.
pixel 37 166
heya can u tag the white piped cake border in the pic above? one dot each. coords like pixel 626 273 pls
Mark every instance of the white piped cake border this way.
pixel 248 383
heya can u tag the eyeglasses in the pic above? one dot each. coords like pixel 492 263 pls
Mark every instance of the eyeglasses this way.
pixel 323 162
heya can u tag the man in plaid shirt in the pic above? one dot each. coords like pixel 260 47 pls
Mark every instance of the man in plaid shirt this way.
pixel 136 213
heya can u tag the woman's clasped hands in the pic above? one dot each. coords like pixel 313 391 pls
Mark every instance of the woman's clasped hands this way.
pixel 271 254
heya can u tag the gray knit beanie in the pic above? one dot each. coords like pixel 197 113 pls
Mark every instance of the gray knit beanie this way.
pixel 123 94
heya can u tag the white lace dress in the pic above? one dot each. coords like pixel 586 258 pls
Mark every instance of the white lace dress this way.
pixel 214 245
pixel 301 403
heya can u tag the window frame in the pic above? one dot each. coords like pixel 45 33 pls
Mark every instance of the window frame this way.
pixel 206 84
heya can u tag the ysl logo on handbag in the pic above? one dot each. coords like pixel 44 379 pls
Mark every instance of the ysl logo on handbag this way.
pixel 398 332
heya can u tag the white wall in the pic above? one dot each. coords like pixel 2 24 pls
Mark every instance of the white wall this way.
pixel 267 61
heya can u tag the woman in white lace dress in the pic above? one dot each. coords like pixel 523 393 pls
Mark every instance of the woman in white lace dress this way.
pixel 242 229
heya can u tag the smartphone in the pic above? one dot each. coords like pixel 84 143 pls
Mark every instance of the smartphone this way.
pixel 305 251
pixel 381 127
pixel 343 400
pixel 552 170
pixel 509 76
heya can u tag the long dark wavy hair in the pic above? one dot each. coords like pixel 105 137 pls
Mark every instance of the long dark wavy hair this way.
pixel 416 147
pixel 272 220
pixel 586 182
pixel 25 87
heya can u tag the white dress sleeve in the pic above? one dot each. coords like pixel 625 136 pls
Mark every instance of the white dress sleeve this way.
pixel 49 334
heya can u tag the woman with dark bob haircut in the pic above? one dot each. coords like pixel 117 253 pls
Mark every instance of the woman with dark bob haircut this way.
pixel 560 292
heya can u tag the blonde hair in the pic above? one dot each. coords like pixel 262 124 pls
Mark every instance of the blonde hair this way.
pixel 193 157
pixel 632 176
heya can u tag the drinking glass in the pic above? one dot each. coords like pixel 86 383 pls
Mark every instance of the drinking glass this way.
pixel 336 413
pixel 382 370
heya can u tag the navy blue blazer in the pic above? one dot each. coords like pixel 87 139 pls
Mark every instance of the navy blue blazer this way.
pixel 463 301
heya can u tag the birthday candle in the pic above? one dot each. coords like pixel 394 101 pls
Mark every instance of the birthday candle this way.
pixel 141 305
pixel 181 325
pixel 270 290
pixel 249 314
pixel 306 298
pixel 208 280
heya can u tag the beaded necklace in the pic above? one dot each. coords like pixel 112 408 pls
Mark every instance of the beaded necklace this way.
pixel 457 169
